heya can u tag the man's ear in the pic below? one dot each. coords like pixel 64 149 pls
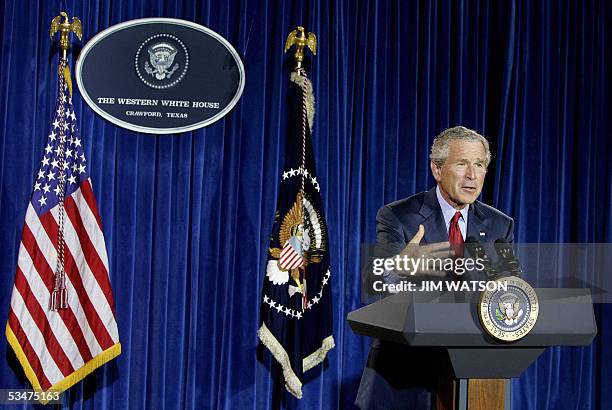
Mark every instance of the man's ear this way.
pixel 435 171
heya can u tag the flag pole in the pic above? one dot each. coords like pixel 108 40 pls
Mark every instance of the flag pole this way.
pixel 298 243
pixel 299 38
pixel 59 296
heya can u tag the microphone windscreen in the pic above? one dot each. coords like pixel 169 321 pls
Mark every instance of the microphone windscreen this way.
pixel 500 244
pixel 474 247
pixel 471 239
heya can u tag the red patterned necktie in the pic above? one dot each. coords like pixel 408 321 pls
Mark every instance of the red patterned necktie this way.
pixel 454 235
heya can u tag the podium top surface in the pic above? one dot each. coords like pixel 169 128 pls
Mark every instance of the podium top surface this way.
pixel 450 319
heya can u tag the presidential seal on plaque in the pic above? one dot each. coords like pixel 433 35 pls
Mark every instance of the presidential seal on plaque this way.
pixel 165 55
pixel 509 314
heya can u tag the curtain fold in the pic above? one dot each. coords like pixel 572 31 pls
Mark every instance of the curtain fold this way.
pixel 187 217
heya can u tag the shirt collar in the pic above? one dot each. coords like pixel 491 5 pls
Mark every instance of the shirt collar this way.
pixel 447 209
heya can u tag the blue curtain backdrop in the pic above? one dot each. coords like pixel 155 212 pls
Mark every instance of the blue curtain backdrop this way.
pixel 187 217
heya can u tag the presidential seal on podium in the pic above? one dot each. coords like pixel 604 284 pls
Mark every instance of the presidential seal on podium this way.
pixel 509 312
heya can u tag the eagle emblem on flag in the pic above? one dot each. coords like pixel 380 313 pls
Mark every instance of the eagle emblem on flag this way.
pixel 302 234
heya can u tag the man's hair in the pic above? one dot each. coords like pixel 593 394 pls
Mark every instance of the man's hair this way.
pixel 439 148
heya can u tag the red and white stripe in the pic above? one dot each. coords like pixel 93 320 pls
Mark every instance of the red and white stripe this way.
pixel 289 258
pixel 58 343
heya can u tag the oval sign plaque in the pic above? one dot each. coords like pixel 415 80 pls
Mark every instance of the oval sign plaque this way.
pixel 160 75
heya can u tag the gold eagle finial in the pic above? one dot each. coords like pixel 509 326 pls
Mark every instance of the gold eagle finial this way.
pixel 299 38
pixel 65 28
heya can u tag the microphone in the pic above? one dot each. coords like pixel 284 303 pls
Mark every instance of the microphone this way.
pixel 508 261
pixel 477 250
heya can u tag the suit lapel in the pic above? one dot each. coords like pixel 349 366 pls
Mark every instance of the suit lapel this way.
pixel 435 229
pixel 476 226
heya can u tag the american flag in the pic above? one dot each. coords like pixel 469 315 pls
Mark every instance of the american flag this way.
pixel 58 346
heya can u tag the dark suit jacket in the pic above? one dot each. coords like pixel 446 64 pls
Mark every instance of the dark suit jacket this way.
pixel 397 222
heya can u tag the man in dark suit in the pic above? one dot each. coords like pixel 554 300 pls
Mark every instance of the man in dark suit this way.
pixel 434 224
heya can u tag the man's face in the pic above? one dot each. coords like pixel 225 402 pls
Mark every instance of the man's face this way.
pixel 462 175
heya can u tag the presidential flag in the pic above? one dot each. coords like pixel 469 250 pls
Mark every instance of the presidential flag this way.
pixel 61 322
pixel 296 306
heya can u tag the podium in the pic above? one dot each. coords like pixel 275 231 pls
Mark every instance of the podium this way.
pixel 475 364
